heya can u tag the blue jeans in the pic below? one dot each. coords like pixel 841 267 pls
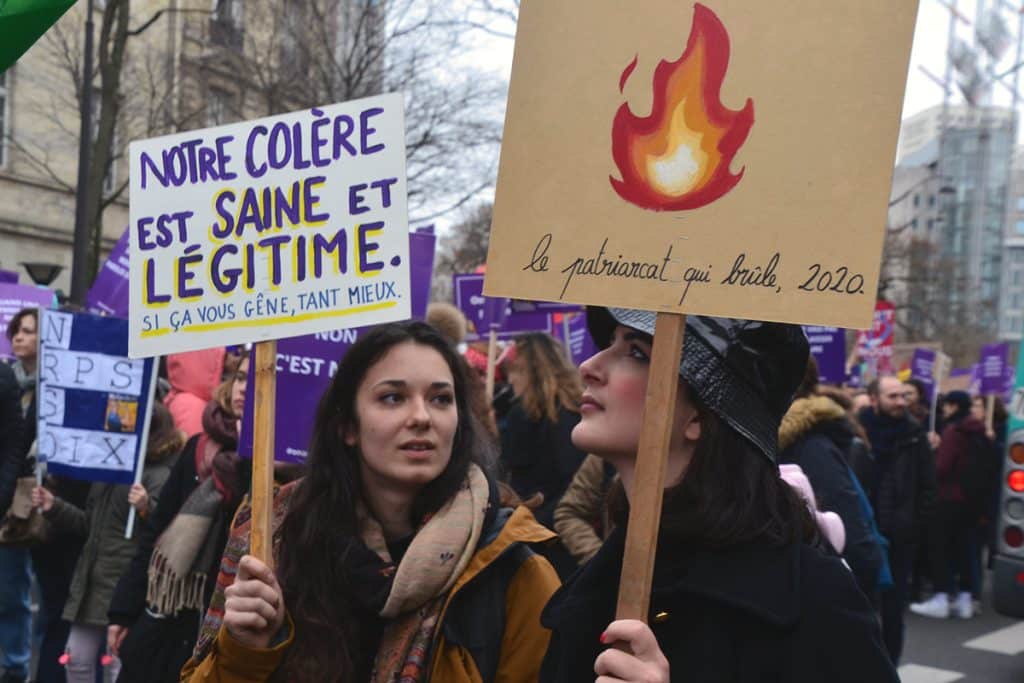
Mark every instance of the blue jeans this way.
pixel 15 614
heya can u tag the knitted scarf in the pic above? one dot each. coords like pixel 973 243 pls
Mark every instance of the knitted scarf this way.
pixel 413 593
pixel 27 384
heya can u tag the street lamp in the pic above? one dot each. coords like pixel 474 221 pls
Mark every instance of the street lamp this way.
pixel 80 257
pixel 42 273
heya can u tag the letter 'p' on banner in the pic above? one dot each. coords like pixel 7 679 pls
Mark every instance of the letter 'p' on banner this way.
pixel 270 228
pixel 726 158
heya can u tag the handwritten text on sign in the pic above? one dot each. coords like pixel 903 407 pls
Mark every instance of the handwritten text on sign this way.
pixel 269 228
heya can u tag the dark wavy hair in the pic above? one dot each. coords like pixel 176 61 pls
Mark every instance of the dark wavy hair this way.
pixel 321 522
pixel 730 495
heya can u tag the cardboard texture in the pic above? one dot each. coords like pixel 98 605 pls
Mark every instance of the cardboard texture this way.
pixel 743 169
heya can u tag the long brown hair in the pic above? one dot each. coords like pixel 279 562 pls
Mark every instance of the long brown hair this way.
pixel 318 531
pixel 552 380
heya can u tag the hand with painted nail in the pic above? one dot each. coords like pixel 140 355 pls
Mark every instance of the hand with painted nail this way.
pixel 254 605
pixel 641 661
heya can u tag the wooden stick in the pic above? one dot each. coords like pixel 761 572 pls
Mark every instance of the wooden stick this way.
pixel 492 357
pixel 990 412
pixel 154 376
pixel 263 450
pixel 651 464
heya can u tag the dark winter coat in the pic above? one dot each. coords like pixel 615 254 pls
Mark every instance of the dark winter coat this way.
pixel 900 477
pixel 745 615
pixel 815 434
pixel 107 552
pixel 538 456
pixel 13 463
pixel 962 440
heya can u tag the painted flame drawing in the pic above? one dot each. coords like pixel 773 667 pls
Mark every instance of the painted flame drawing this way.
pixel 678 157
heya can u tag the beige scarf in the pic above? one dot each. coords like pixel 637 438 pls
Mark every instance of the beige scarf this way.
pixel 437 556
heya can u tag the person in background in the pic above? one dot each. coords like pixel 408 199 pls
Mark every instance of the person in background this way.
pixel 159 601
pixel 107 552
pixel 744 588
pixel 537 450
pixel 582 519
pixel 193 377
pixel 394 558
pixel 816 434
pixel 15 577
pixel 53 562
pixel 900 483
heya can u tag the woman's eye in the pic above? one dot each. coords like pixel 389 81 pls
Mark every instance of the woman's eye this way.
pixel 638 353
pixel 390 399
pixel 444 399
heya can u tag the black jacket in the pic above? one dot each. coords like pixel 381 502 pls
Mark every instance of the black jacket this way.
pixel 816 435
pixel 539 457
pixel 13 463
pixel 745 615
pixel 899 478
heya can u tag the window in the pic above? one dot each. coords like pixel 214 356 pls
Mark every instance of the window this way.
pixel 228 11
pixel 4 119
pixel 1020 203
pixel 917 200
pixel 931 200
pixel 226 23
pixel 218 107
pixel 1020 227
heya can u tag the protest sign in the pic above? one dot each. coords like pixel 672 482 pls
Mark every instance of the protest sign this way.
pixel 695 126
pixel 109 292
pixel 93 401
pixel 481 315
pixel 13 298
pixel 266 229
pixel 580 345
pixel 922 368
pixel 625 171
pixel 306 364
pixel 992 363
pixel 875 344
pixel 8 277
pixel 828 346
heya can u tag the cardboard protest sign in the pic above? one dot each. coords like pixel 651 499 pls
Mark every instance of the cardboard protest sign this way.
pixel 992 363
pixel 306 365
pixel 483 312
pixel 828 346
pixel 266 229
pixel 92 399
pixel 13 298
pixel 109 292
pixel 725 157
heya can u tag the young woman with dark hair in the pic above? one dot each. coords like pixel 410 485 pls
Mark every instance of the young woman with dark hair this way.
pixel 743 589
pixel 393 556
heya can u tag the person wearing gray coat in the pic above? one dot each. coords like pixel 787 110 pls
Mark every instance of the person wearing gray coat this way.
pixel 107 553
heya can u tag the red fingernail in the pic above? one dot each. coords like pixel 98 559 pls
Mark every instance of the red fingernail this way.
pixel 604 638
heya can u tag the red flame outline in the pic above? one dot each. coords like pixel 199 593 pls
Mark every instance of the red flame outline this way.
pixel 633 187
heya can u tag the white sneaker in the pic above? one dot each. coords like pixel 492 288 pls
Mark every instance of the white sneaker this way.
pixel 936 607
pixel 964 606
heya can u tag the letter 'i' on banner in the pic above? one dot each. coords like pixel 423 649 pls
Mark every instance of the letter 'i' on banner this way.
pixel 695 126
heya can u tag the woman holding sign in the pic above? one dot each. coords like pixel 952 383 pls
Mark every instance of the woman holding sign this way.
pixel 743 589
pixel 394 557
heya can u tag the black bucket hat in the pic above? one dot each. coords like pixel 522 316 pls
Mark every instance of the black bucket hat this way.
pixel 745 371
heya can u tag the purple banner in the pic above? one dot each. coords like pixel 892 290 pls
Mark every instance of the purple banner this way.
pixel 922 368
pixel 306 364
pixel 109 292
pixel 581 346
pixel 470 299
pixel 828 346
pixel 13 298
pixel 992 368
pixel 8 277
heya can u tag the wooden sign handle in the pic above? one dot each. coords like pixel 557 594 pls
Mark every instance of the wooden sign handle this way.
pixel 492 358
pixel 651 464
pixel 990 412
pixel 263 450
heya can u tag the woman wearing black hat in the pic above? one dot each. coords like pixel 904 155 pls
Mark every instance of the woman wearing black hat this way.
pixel 742 591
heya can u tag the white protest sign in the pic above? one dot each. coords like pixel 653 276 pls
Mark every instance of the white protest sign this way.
pixel 271 228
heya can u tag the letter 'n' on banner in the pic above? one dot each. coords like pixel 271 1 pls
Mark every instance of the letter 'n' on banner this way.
pixel 721 158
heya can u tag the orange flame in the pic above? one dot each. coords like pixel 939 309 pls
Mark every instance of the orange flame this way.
pixel 678 158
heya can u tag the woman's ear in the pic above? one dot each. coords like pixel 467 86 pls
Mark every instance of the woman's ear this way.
pixel 692 430
pixel 350 435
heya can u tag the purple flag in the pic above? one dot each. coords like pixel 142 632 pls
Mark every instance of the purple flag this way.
pixel 13 298
pixel 8 277
pixel 470 299
pixel 992 368
pixel 581 346
pixel 922 368
pixel 306 364
pixel 828 345
pixel 109 292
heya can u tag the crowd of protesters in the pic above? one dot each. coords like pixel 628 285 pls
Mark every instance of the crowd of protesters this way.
pixel 438 533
